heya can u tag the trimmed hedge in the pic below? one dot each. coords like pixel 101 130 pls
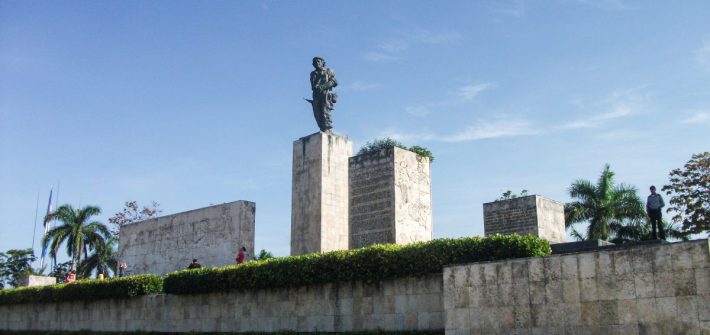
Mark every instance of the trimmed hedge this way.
pixel 367 264
pixel 85 290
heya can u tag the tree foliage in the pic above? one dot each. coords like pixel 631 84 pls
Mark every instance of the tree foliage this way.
pixel 263 255
pixel 603 206
pixel 689 189
pixel 60 271
pixel 388 143
pixel 641 230
pixel 104 256
pixel 76 232
pixel 508 195
pixel 13 264
pixel 133 212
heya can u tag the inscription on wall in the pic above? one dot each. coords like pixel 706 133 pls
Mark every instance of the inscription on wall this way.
pixel 213 235
pixel 371 199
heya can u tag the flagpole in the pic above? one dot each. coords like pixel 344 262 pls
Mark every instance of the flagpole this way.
pixel 34 229
pixel 47 223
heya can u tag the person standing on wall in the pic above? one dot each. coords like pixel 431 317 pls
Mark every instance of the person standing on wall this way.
pixel 654 204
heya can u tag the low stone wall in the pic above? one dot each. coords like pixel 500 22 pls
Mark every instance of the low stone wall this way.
pixel 662 289
pixel 401 304
pixel 656 289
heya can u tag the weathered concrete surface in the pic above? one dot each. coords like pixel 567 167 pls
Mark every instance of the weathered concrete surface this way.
pixel 660 289
pixel 401 304
pixel 212 234
pixel 319 195
pixel 530 215
pixel 31 280
pixel 390 198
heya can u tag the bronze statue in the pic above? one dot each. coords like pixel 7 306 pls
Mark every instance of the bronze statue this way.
pixel 322 81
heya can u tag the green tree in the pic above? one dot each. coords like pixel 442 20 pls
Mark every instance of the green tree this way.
pixel 15 263
pixel 77 230
pixel 388 143
pixel 641 230
pixel 263 254
pixel 60 271
pixel 603 206
pixel 689 189
pixel 507 195
pixel 105 256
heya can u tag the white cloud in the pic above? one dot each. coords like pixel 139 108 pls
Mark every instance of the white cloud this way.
pixel 482 129
pixel 375 56
pixel 361 86
pixel 618 105
pixel 394 48
pixel 703 55
pixel 469 92
pixel 491 129
pixel 701 117
pixel 515 9
pixel 418 110
pixel 607 4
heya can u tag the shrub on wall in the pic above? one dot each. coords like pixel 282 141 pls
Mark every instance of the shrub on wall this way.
pixel 85 290
pixel 388 143
pixel 368 264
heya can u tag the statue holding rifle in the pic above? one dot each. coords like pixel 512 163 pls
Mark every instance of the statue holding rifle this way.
pixel 322 82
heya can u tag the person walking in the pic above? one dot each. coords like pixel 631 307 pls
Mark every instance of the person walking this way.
pixel 242 256
pixel 654 204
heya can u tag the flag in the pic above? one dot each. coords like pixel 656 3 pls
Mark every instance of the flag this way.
pixel 47 220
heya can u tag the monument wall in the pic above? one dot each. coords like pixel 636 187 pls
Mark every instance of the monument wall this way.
pixel 659 289
pixel 530 215
pixel 646 289
pixel 390 198
pixel 212 234
pixel 401 304
pixel 319 194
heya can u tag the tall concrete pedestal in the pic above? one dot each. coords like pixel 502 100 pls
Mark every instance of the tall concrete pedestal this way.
pixel 319 194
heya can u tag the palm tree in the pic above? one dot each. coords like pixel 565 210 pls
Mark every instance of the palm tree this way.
pixel 603 205
pixel 79 234
pixel 105 256
pixel 641 230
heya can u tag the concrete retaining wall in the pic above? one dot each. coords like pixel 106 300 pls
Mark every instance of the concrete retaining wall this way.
pixel 401 304
pixel 658 289
pixel 662 289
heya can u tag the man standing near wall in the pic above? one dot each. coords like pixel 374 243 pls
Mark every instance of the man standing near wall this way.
pixel 654 204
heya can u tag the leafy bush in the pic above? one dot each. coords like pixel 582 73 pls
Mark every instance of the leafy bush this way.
pixel 388 143
pixel 369 264
pixel 85 290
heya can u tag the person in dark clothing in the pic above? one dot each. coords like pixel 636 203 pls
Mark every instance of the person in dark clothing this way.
pixel 654 204
pixel 194 265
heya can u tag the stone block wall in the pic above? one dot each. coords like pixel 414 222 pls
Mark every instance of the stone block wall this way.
pixel 31 280
pixel 662 289
pixel 390 198
pixel 401 304
pixel 319 194
pixel 212 234
pixel 530 215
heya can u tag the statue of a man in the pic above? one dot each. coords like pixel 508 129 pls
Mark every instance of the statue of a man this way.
pixel 322 81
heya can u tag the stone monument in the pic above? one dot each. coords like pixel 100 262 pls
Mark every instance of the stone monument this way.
pixel 530 215
pixel 212 234
pixel 319 193
pixel 390 198
pixel 32 280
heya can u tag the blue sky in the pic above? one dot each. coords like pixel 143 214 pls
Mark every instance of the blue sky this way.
pixel 198 103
